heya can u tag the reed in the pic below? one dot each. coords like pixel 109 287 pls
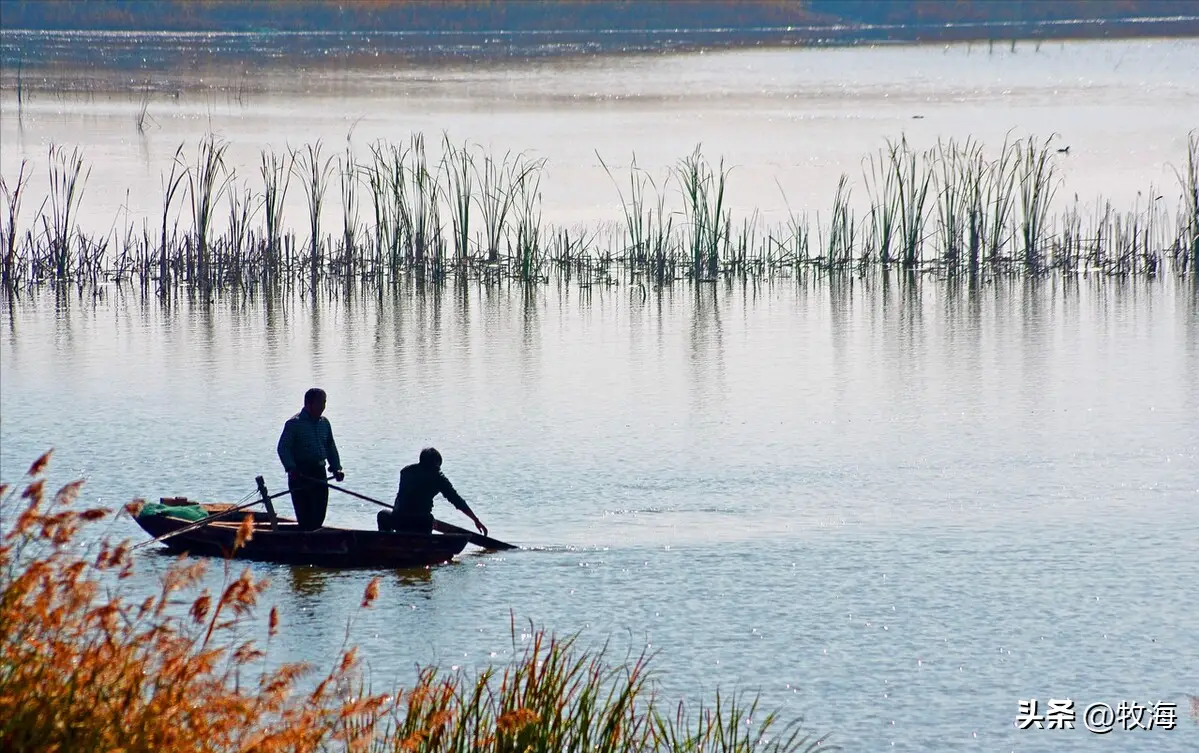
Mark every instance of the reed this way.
pixel 708 219
pixel 648 227
pixel 13 196
pixel 883 189
pixel 499 184
pixel 419 210
pixel 89 662
pixel 143 111
pixel 1038 184
pixel 944 210
pixel 315 173
pixel 207 183
pixel 67 181
pixel 1188 180
pixel 841 230
pixel 350 176
pixel 912 178
pixel 999 200
pixel 957 192
pixel 276 175
pixel 458 167
pixel 528 236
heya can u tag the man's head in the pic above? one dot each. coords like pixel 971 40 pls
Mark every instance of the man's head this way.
pixel 430 458
pixel 314 401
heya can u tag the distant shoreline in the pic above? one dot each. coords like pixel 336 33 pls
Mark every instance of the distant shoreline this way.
pixel 42 52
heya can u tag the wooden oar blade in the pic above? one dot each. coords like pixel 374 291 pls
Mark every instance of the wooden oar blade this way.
pixel 477 539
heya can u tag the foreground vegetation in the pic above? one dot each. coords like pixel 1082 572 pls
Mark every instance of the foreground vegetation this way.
pixel 85 664
pixel 954 209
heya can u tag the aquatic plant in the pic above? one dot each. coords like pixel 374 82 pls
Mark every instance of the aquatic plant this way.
pixel 1038 184
pixel 207 182
pixel 276 178
pixel 954 208
pixel 88 662
pixel 13 196
pixel 708 219
pixel 314 173
pixel 1188 180
pixel 67 181
pixel 458 167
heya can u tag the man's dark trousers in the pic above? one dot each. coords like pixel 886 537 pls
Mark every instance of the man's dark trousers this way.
pixel 309 497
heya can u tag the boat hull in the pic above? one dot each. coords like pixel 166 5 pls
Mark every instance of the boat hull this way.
pixel 325 547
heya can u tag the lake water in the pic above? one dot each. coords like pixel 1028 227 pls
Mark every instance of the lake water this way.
pixel 894 508
pixel 895 511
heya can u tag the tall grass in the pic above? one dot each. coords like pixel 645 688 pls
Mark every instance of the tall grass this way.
pixel 207 182
pixel 955 207
pixel 1038 184
pixel 912 178
pixel 171 185
pixel 13 196
pixel 500 182
pixel 648 226
pixel 276 175
pixel 708 218
pixel 89 661
pixel 67 181
pixel 1188 180
pixel 458 167
pixel 314 173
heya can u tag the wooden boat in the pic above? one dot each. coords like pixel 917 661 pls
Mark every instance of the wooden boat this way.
pixel 286 543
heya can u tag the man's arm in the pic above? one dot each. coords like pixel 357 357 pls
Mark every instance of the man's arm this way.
pixel 456 500
pixel 334 457
pixel 284 447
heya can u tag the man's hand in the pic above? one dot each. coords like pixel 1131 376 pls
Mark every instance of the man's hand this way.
pixel 339 476
pixel 482 528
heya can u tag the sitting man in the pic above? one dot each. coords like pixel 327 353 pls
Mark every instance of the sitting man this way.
pixel 419 484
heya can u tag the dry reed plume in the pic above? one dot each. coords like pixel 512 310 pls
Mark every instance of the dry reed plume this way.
pixel 85 664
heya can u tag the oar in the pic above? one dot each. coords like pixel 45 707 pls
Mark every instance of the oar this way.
pixel 205 521
pixel 475 538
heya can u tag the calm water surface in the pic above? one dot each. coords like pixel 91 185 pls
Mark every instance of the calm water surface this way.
pixel 895 511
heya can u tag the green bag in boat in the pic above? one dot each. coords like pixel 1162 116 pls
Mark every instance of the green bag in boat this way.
pixel 184 512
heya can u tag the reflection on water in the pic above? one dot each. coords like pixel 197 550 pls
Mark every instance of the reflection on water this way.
pixel 866 497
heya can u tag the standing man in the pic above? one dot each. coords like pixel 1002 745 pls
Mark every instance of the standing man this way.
pixel 304 446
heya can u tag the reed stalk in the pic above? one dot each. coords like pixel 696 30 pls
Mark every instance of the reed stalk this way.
pixel 207 184
pixel 170 186
pixel 498 182
pixel 416 193
pixel 13 197
pixel 1188 181
pixel 1038 184
pixel 457 165
pixel 841 231
pixel 529 249
pixel 708 219
pixel 315 173
pixel 882 188
pixel 912 179
pixel 956 189
pixel 999 199
pixel 349 174
pixel 67 181
pixel 276 177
